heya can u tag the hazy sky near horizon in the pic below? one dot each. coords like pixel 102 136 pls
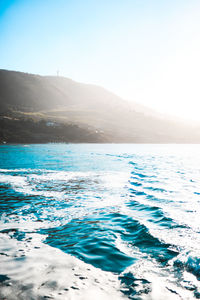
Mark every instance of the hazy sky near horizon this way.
pixel 147 51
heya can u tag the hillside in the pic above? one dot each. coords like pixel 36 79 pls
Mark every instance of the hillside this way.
pixel 37 108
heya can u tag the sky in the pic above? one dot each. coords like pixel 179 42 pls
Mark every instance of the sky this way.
pixel 146 51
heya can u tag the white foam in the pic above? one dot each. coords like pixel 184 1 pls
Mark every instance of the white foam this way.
pixel 46 271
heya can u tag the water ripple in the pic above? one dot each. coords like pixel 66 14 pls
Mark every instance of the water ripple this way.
pixel 121 209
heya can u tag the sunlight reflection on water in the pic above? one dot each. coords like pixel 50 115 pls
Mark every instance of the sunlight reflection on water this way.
pixel 126 209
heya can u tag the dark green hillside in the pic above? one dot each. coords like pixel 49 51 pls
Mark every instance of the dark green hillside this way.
pixel 30 131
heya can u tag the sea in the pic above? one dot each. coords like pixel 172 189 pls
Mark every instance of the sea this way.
pixel 99 221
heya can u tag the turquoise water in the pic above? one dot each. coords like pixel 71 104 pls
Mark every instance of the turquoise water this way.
pixel 132 210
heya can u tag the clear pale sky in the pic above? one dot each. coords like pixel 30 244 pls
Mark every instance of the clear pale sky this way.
pixel 147 51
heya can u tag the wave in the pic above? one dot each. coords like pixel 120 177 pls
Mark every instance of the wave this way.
pixel 189 262
pixel 133 219
pixel 61 275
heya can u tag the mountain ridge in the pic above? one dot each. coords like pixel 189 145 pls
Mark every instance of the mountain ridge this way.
pixel 98 113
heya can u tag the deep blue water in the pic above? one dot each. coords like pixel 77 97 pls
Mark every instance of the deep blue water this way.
pixel 133 210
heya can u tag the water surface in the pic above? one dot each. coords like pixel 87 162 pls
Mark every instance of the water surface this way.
pixel 129 211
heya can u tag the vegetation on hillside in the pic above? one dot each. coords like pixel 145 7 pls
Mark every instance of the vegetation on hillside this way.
pixel 82 112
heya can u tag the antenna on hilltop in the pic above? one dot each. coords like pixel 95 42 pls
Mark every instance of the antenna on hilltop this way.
pixel 58 73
